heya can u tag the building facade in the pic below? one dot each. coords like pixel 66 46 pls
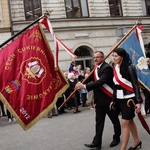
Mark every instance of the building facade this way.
pixel 5 30
pixel 83 25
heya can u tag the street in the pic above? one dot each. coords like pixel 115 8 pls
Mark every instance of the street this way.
pixel 67 131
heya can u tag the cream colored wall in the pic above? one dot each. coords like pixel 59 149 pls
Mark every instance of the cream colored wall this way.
pixel 1 15
pixel 97 8
pixel 4 37
pixel 17 10
pixel 132 8
pixel 4 21
pixel 98 31
pixel 5 13
pixel 57 7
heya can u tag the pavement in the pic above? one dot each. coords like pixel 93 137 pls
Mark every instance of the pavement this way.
pixel 67 131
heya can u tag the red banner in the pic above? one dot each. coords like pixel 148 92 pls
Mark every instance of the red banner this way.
pixel 30 85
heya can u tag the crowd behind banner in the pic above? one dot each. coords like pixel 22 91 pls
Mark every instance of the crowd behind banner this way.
pixel 83 98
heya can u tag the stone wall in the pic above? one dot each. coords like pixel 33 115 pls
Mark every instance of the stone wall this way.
pixel 4 36
pixel 56 6
pixel 98 32
pixel 97 8
pixel 4 14
pixel 4 21
pixel 132 8
pixel 1 16
pixel 17 10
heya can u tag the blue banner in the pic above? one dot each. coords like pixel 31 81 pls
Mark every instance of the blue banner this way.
pixel 133 48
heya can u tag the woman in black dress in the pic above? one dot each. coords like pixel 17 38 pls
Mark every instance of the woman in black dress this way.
pixel 126 87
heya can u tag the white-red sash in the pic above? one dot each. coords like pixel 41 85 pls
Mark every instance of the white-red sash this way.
pixel 105 88
pixel 122 81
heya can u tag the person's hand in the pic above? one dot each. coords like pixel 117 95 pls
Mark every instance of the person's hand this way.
pixel 79 86
pixel 138 108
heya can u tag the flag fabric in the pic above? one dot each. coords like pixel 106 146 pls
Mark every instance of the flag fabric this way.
pixel 30 85
pixel 47 24
pixel 139 30
pixel 133 48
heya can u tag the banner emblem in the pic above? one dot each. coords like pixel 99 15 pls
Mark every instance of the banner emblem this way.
pixel 36 35
pixel 12 86
pixel 33 70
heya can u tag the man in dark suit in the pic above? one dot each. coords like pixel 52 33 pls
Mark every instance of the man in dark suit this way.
pixel 102 84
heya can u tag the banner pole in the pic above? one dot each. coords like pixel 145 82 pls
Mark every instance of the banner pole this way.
pixel 45 15
pixel 94 68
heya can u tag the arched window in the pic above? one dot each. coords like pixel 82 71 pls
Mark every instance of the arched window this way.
pixel 76 8
pixel 32 9
pixel 84 56
pixel 83 52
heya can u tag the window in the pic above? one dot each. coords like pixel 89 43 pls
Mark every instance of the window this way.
pixel 32 9
pixel 115 8
pixel 76 8
pixel 147 7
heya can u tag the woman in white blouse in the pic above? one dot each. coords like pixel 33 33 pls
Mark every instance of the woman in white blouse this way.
pixel 126 87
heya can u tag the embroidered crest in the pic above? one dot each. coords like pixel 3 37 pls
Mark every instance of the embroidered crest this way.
pixel 33 70
pixel 12 86
pixel 36 35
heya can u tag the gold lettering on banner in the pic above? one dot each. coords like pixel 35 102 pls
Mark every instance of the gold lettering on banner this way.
pixel 34 48
pixel 40 95
pixel 9 61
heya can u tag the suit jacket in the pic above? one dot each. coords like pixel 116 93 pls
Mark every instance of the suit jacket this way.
pixel 105 74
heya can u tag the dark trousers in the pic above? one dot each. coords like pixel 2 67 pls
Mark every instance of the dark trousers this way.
pixel 147 100
pixel 2 108
pixel 83 98
pixel 101 112
pixel 58 104
pixel 9 114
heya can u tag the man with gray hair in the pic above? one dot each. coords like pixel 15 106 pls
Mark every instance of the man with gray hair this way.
pixel 102 84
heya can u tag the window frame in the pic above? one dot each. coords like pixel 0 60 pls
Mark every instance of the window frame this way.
pixel 81 11
pixel 147 8
pixel 32 10
pixel 113 11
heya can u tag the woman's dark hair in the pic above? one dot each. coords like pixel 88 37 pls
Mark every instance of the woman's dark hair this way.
pixel 125 62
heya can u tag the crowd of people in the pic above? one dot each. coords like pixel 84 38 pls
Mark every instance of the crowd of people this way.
pixel 107 90
pixel 83 98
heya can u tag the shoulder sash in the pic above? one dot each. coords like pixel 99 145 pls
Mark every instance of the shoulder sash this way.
pixel 105 88
pixel 122 81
